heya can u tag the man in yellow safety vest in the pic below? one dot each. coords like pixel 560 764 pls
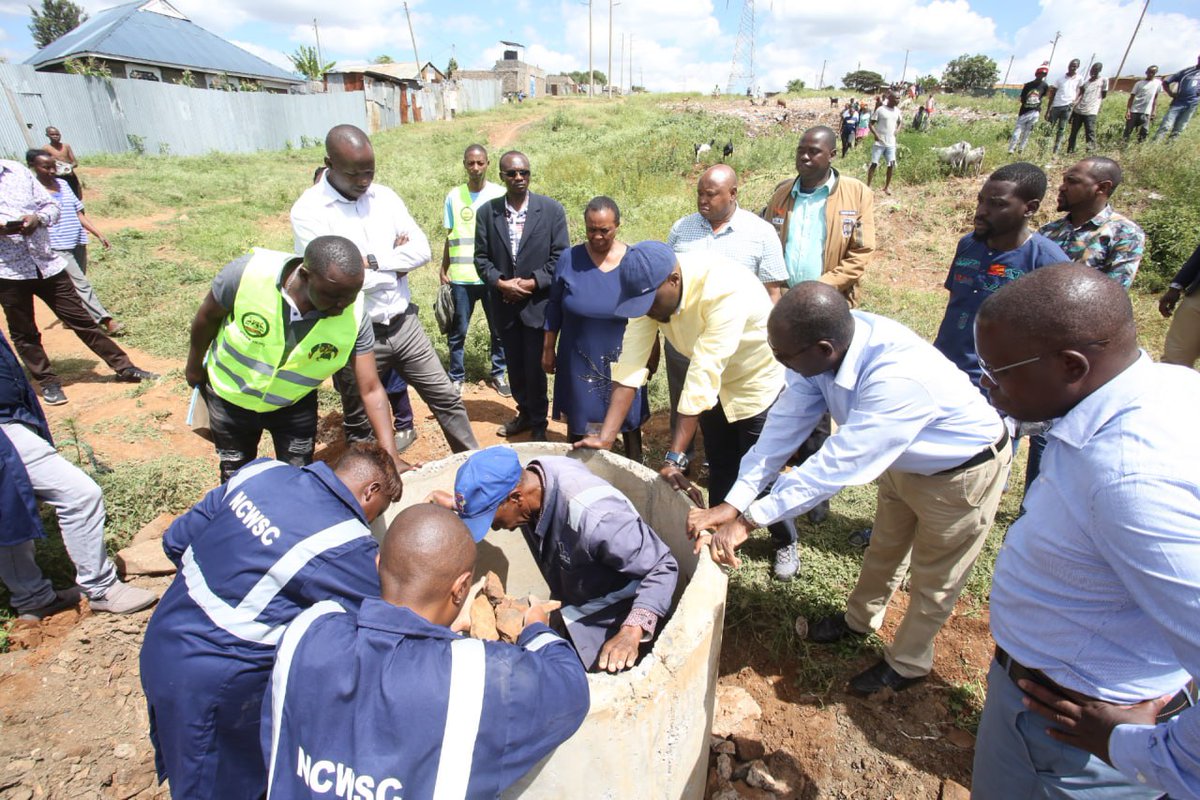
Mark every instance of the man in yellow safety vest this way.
pixel 272 329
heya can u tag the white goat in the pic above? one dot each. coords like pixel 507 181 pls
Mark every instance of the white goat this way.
pixel 973 158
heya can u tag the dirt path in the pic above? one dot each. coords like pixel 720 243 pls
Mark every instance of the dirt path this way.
pixel 504 135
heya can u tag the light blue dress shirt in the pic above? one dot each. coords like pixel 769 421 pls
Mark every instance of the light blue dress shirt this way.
pixel 1098 583
pixel 747 239
pixel 899 404
pixel 804 252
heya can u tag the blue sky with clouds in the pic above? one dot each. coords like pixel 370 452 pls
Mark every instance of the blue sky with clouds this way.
pixel 689 44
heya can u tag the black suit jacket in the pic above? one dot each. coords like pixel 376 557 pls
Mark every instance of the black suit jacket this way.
pixel 542 242
pixel 1189 274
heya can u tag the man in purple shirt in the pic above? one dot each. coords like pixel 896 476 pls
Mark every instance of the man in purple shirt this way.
pixel 30 268
pixel 613 574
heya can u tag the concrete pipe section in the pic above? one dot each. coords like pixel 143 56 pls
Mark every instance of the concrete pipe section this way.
pixel 647 733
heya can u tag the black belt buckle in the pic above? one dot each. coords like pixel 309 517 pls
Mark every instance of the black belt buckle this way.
pixel 982 457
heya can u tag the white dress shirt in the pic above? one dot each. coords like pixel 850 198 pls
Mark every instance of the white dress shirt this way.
pixel 899 404
pixel 1098 582
pixel 372 222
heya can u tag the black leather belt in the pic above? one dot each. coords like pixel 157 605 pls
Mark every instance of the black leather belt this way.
pixel 983 456
pixel 1018 671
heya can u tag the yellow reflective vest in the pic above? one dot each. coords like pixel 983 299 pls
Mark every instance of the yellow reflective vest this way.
pixel 247 363
pixel 462 236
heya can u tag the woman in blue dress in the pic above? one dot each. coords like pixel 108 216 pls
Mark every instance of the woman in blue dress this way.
pixel 581 322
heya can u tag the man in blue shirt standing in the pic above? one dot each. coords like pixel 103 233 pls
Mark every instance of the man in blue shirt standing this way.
pixel 389 703
pixel 1096 587
pixel 1184 99
pixel 1001 249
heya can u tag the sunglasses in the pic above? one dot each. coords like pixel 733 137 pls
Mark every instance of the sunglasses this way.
pixel 512 173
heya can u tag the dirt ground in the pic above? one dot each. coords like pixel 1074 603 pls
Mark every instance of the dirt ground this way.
pixel 72 716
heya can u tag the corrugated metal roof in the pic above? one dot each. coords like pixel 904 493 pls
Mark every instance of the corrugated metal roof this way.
pixel 137 32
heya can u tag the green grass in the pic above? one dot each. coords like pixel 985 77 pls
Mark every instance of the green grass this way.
pixel 218 206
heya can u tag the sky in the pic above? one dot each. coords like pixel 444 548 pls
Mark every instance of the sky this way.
pixel 689 45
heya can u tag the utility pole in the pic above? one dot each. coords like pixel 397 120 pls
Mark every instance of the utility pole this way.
pixel 631 63
pixel 609 75
pixel 413 36
pixel 1053 47
pixel 904 71
pixel 821 80
pixel 317 34
pixel 622 83
pixel 1009 70
pixel 591 72
pixel 1136 28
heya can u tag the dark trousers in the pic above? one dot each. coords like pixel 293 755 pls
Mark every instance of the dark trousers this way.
pixel 1057 118
pixel 237 431
pixel 403 346
pixel 725 443
pixel 1037 444
pixel 466 295
pixel 59 294
pixel 523 350
pixel 397 392
pixel 1140 122
pixel 1088 123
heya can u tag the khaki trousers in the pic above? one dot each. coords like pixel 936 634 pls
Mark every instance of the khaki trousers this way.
pixel 934 525
pixel 1183 337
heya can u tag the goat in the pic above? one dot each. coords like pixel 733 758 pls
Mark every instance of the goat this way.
pixel 973 158
pixel 781 102
pixel 953 155
pixel 834 102
pixel 726 151
pixel 703 148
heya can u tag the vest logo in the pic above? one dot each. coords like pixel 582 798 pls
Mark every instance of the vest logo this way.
pixel 324 776
pixel 467 214
pixel 323 352
pixel 255 325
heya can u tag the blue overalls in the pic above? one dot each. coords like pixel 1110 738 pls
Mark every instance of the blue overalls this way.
pixel 386 705
pixel 253 554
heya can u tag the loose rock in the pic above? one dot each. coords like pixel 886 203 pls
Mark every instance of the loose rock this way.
pixel 493 588
pixel 954 791
pixel 510 620
pixel 144 558
pixel 760 778
pixel 154 529
pixel 724 766
pixel 483 620
pixel 748 749
pixel 736 712
pixel 960 738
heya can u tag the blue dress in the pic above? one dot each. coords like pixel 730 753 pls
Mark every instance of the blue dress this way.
pixel 582 301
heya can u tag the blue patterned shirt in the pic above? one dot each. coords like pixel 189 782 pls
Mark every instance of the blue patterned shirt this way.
pixel 746 238
pixel 1109 242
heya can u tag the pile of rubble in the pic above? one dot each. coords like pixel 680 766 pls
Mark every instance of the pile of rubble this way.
pixel 738 763
pixel 796 116
pixel 495 616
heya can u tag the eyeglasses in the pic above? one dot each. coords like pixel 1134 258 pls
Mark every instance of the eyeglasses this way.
pixel 991 372
pixel 512 173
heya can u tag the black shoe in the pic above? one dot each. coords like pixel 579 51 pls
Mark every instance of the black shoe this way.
pixel 833 628
pixel 498 383
pixel 134 375
pixel 879 677
pixel 52 395
pixel 819 513
pixel 538 435
pixel 518 424
pixel 63 599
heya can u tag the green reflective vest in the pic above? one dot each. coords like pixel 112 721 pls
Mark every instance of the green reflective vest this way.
pixel 462 235
pixel 247 365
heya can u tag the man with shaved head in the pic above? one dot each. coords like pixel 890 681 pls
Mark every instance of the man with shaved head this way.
pixel 1094 597
pixel 390 697
pixel 1091 232
pixel 826 222
pixel 907 417
pixel 346 201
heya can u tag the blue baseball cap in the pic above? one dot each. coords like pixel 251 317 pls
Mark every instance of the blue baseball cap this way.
pixel 482 484
pixel 644 268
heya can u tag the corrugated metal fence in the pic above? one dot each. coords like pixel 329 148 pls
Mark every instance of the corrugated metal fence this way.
pixel 98 116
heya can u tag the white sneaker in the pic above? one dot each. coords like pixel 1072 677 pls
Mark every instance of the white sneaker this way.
pixel 121 598
pixel 457 387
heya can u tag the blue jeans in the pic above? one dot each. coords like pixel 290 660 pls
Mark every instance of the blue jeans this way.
pixel 1015 758
pixel 1175 120
pixel 465 297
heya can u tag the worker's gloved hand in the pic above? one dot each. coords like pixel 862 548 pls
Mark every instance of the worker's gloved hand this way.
pixel 674 476
pixel 621 651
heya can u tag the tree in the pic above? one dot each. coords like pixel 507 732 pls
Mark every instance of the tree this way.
pixel 306 63
pixel 383 59
pixel 862 80
pixel 794 85
pixel 451 67
pixel 970 72
pixel 928 83
pixel 581 77
pixel 57 18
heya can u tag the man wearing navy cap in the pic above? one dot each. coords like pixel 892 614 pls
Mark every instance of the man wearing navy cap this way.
pixel 708 312
pixel 613 574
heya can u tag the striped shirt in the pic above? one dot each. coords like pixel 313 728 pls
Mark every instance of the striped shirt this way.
pixel 68 231
pixel 516 225
pixel 746 239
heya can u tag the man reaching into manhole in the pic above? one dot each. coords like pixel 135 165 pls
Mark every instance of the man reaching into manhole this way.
pixel 614 575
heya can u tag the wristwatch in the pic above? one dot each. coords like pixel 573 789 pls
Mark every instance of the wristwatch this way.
pixel 372 262
pixel 678 460
pixel 749 520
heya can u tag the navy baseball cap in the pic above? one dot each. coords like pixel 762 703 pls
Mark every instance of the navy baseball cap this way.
pixel 482 484
pixel 644 268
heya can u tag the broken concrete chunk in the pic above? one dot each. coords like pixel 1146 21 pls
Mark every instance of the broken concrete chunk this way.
pixel 736 712
pixel 760 778
pixel 154 529
pixel 483 620
pixel 493 588
pixel 510 620
pixel 748 748
pixel 144 558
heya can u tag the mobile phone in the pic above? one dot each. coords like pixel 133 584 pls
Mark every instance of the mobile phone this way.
pixel 14 226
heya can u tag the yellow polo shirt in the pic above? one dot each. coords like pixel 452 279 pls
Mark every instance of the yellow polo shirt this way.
pixel 721 325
